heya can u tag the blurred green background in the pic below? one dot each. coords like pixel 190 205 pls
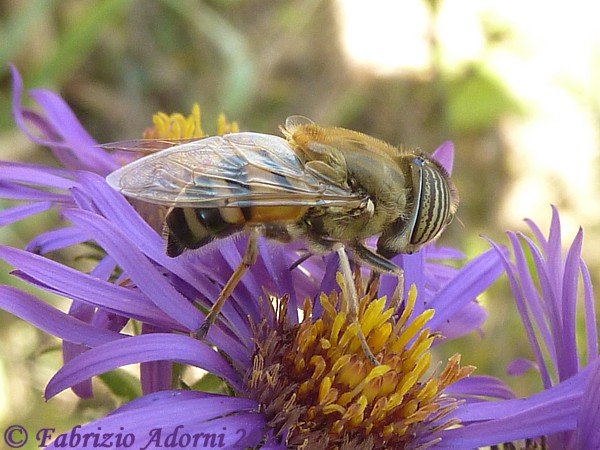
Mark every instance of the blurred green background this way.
pixel 515 90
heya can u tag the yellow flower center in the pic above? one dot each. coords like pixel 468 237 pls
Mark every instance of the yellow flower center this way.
pixel 319 390
pixel 178 126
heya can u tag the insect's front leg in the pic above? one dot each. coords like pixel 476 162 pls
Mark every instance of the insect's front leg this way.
pixel 353 300
pixel 248 260
pixel 378 265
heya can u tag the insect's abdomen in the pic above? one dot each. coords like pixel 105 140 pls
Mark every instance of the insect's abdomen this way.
pixel 191 228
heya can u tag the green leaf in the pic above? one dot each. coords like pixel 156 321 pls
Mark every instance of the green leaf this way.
pixel 477 100
pixel 210 383
pixel 122 384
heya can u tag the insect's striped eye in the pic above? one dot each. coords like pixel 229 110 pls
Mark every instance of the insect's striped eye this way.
pixel 435 201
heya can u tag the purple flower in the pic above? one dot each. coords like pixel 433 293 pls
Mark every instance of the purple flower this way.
pixel 564 415
pixel 289 379
pixel 546 297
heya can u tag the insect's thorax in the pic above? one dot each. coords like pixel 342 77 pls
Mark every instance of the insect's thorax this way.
pixel 386 199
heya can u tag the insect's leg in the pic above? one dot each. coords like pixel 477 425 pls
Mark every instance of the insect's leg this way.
pixel 373 282
pixel 383 265
pixel 249 259
pixel 300 260
pixel 398 295
pixel 353 300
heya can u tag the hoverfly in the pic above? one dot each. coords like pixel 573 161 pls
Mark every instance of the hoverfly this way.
pixel 332 187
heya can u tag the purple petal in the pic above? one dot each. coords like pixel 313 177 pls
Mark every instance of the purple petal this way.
pixel 61 118
pixel 155 375
pixel 519 366
pixel 17 92
pixel 20 212
pixel 141 271
pixel 414 273
pixel 328 282
pixel 17 191
pixel 471 317
pixel 444 154
pixel 104 268
pixel 548 412
pixel 552 416
pixel 275 260
pixel 551 292
pixel 84 388
pixel 232 423
pixel 138 349
pixel 114 207
pixel 36 176
pixel 167 397
pixel 444 253
pixel 481 386
pixel 554 252
pixel 532 302
pixel 571 388
pixel 47 134
pixel 569 363
pixel 246 293
pixel 56 240
pixel 109 320
pixel 59 172
pixel 538 234
pixel 74 284
pixel 470 281
pixel 60 130
pixel 119 212
pixel 51 320
pixel 426 274
pixel 250 285
pixel 590 313
pixel 83 200
pixel 522 307
pixel 588 429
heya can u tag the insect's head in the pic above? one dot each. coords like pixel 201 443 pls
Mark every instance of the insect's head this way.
pixel 432 203
pixel 435 200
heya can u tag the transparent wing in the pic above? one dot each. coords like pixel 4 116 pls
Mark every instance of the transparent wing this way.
pixel 240 169
pixel 146 146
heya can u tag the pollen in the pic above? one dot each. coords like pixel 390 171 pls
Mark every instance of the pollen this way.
pixel 319 390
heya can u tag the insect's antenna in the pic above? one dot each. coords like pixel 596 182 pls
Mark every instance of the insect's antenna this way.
pixel 353 300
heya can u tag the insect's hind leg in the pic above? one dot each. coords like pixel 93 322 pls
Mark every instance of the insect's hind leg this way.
pixel 353 300
pixel 248 260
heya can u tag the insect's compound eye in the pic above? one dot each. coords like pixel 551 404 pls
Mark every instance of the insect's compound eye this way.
pixel 433 201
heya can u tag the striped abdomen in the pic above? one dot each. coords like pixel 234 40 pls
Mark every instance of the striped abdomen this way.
pixel 191 228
